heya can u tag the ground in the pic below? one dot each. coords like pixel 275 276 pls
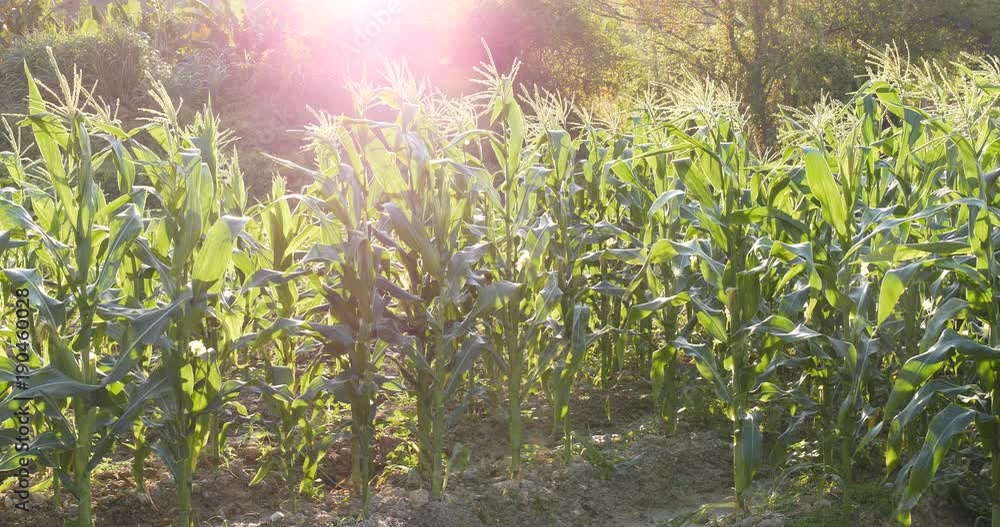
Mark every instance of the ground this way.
pixel 630 473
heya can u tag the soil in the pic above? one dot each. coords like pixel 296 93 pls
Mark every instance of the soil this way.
pixel 629 474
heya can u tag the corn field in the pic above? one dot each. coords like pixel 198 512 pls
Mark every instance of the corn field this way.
pixel 840 290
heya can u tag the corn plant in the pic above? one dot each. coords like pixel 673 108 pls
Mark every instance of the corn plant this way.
pixel 349 265
pixel 518 237
pixel 274 275
pixel 189 249
pixel 735 299
pixel 82 240
pixel 840 290
pixel 572 236
pixel 716 175
pixel 646 188
pixel 439 288
pixel 965 252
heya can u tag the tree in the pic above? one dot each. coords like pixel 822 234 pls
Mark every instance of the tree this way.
pixel 793 51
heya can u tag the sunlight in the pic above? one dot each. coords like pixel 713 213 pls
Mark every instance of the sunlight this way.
pixel 359 10
pixel 505 262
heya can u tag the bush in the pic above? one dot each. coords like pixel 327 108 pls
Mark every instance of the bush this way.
pixel 19 17
pixel 115 59
pixel 197 74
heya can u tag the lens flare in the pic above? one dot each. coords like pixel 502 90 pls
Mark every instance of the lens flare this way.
pixel 356 10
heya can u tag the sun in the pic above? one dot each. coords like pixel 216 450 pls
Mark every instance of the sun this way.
pixel 360 9
pixel 353 16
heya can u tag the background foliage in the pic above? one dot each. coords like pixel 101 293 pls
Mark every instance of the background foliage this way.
pixel 277 56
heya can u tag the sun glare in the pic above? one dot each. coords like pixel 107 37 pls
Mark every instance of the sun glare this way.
pixel 359 9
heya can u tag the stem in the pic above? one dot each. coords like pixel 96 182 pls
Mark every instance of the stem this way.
pixel 437 417
pixel 86 420
pixel 138 466
pixel 184 518
pixel 990 266
pixel 739 408
pixel 567 439
pixel 184 448
pixel 361 452
pixel 56 491
pixel 437 442
pixel 995 448
pixel 846 441
pixel 361 361
pixel 668 411
pixel 424 425
pixel 730 187
pixel 81 460
pixel 514 397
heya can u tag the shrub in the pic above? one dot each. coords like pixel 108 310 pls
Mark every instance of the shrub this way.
pixel 18 17
pixel 198 73
pixel 115 60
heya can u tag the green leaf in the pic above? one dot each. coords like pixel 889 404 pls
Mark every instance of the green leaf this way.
pixel 262 472
pixel 515 123
pixel 661 360
pixel 917 405
pixel 663 200
pixel 126 228
pixel 52 383
pixel 213 258
pixel 661 251
pixel 414 238
pixel 463 362
pixel 263 278
pixel 139 396
pixel 641 311
pixel 943 315
pixel 50 137
pixel 13 215
pixel 892 289
pixel 49 308
pixel 950 422
pixel 894 285
pixel 749 451
pixel 921 367
pixel 707 366
pixel 825 189
pixel 143 329
pixel 490 298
